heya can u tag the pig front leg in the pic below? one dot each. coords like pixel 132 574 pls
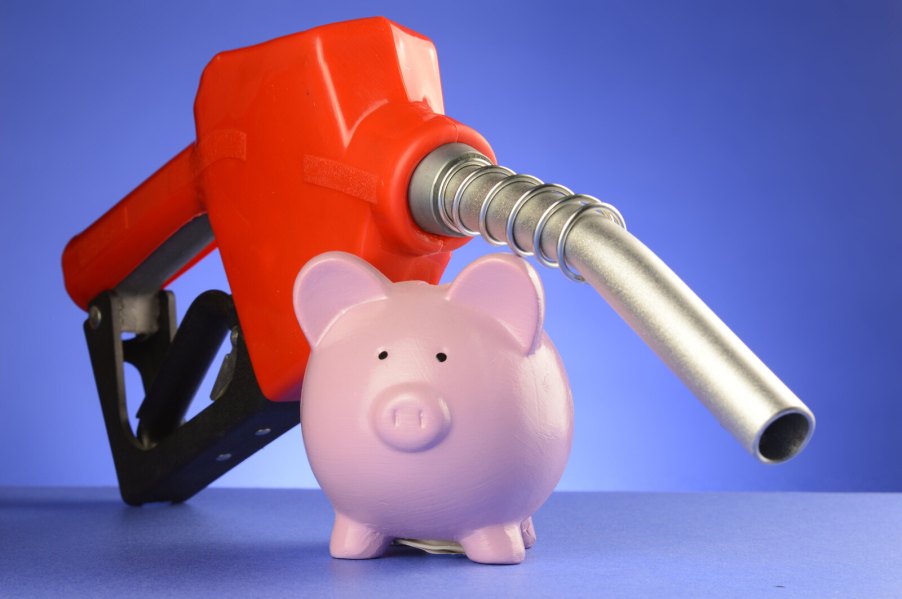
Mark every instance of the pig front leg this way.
pixel 499 544
pixel 352 540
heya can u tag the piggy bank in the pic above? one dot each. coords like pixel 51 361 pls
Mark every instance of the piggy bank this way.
pixel 437 413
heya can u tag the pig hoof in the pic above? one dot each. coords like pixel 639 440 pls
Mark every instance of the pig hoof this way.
pixel 501 544
pixel 352 540
pixel 529 533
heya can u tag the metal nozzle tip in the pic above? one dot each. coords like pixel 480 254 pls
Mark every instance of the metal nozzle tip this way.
pixel 784 437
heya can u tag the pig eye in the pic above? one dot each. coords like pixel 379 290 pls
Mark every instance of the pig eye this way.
pixel 441 356
pixel 383 354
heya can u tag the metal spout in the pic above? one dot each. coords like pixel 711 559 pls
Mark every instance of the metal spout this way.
pixel 457 191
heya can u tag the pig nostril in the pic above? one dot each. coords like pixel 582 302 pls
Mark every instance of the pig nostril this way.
pixel 420 416
pixel 394 417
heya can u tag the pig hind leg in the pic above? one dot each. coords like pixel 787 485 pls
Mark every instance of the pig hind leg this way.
pixel 352 540
pixel 529 533
pixel 499 544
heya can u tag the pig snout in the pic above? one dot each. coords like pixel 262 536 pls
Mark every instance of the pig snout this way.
pixel 410 417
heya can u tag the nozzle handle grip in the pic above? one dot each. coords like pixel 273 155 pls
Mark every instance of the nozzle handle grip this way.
pixel 145 240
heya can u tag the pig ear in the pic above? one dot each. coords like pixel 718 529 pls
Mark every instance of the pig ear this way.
pixel 507 289
pixel 328 286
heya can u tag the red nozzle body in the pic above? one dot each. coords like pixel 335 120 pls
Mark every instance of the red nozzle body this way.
pixel 305 144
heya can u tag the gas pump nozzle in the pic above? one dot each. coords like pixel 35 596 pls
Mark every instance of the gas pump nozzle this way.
pixel 336 139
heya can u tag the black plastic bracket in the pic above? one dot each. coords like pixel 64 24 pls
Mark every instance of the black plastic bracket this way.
pixel 168 459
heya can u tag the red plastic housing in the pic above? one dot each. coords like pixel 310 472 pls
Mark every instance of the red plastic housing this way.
pixel 305 144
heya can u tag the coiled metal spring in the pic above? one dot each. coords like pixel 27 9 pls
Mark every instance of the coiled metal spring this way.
pixel 480 166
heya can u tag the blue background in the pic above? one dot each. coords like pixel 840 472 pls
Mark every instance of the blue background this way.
pixel 756 146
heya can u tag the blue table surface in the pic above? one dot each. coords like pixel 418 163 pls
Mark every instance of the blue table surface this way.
pixel 255 542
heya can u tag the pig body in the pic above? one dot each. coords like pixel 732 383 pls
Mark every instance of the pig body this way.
pixel 431 412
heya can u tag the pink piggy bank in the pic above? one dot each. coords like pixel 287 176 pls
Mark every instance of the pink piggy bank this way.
pixel 432 412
